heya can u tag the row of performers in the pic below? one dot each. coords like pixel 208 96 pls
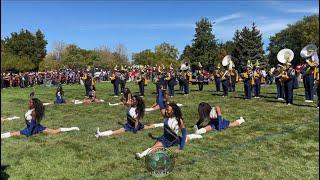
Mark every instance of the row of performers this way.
pixel 285 78
pixel 166 79
pixel 210 119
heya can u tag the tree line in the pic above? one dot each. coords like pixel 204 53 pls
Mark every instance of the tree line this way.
pixel 25 51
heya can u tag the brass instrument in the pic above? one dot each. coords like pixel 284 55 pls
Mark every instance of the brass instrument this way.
pixel 188 76
pixel 284 56
pixel 308 52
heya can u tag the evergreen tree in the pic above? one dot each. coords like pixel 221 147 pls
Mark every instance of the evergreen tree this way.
pixel 186 54
pixel 248 46
pixel 204 46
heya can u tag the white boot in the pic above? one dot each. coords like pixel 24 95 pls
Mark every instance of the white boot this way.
pixel 201 131
pixel 194 136
pixel 69 129
pixel 144 153
pixel 105 133
pixel 115 104
pixel 148 109
pixel 158 125
pixel 241 120
pixel 5 135
pixel 12 118
pixel 195 128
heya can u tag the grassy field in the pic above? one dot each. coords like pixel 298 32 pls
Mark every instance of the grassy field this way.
pixel 276 142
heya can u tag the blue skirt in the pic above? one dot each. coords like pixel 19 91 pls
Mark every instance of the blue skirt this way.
pixel 59 101
pixel 219 124
pixel 167 143
pixel 31 130
pixel 128 127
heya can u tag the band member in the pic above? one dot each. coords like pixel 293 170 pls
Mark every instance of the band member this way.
pixel 115 80
pixel 171 82
pixel 234 78
pixel 141 81
pixel 225 81
pixel 247 81
pixel 210 118
pixel 280 88
pixel 33 118
pixel 217 78
pixel 257 75
pixel 134 116
pixel 87 78
pixel 200 80
pixel 308 74
pixel 288 83
pixel 173 123
pixel 59 96
pixel 185 78
pixel 123 81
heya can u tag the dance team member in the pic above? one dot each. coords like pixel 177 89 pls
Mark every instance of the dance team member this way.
pixel 134 116
pixel 173 123
pixel 33 118
pixel 216 121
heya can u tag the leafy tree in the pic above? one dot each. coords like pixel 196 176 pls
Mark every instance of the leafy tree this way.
pixel 167 50
pixel 25 44
pixel 295 37
pixel 49 63
pixel 10 62
pixel 145 57
pixel 73 57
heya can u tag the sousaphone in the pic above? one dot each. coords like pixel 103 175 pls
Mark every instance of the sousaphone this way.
pixel 227 62
pixel 285 56
pixel 308 51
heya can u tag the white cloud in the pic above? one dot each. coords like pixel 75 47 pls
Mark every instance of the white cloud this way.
pixel 228 17
pixel 303 10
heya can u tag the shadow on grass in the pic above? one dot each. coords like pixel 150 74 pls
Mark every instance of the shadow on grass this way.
pixel 259 139
pixel 4 175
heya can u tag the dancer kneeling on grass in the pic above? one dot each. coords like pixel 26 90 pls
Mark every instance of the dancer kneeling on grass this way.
pixel 216 121
pixel 134 115
pixel 125 100
pixel 33 117
pixel 59 96
pixel 173 122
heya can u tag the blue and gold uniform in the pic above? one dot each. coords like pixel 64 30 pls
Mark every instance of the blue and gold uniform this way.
pixel 308 74
pixel 131 120
pixel 141 82
pixel 225 82
pixel 217 78
pixel 247 82
pixel 234 78
pixel 33 127
pixel 257 82
pixel 288 84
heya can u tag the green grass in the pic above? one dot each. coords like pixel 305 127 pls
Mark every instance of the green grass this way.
pixel 276 142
